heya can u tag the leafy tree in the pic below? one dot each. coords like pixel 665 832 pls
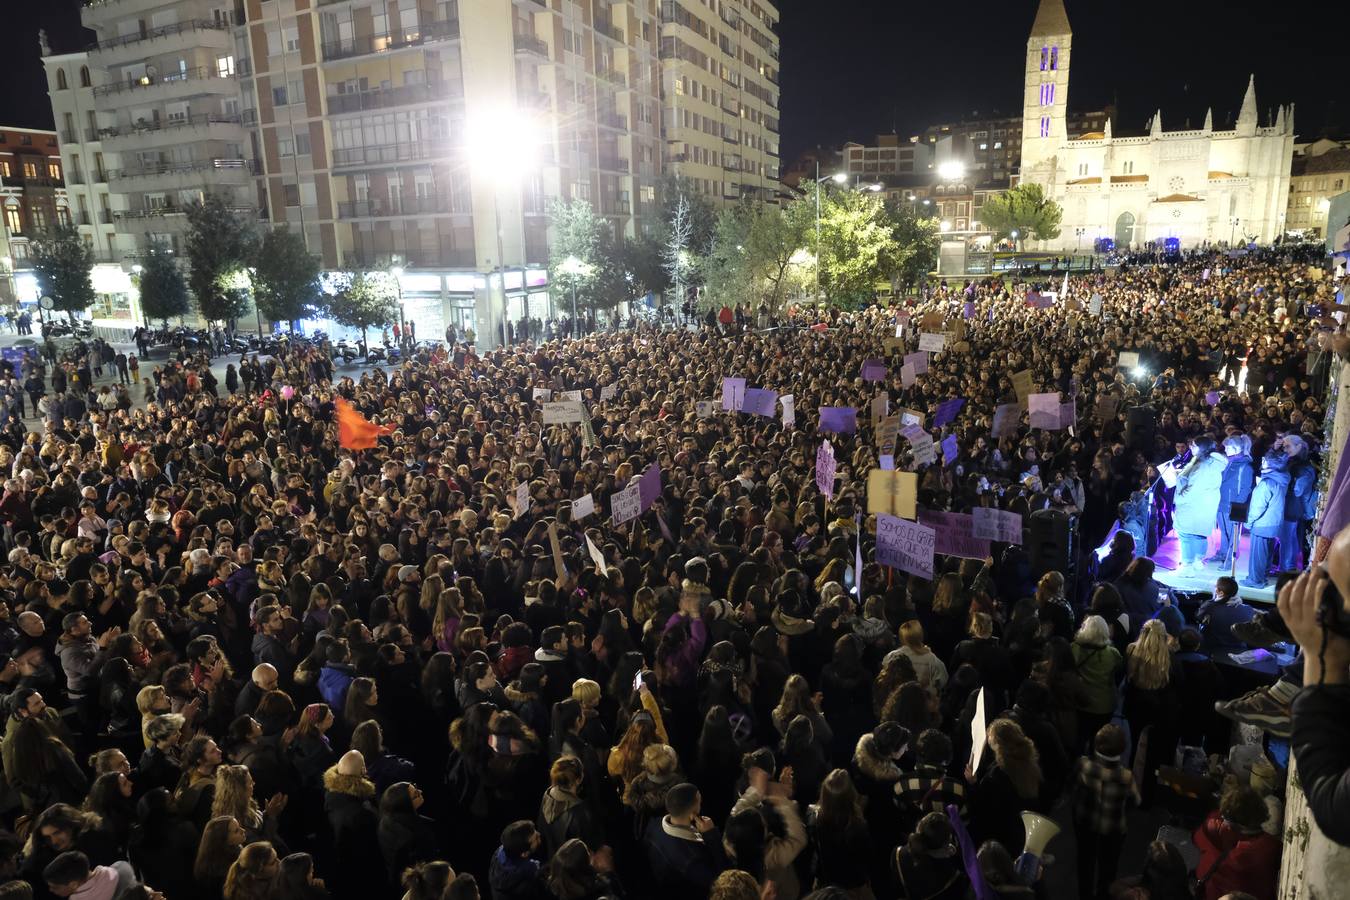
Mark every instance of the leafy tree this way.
pixel 285 277
pixel 62 262
pixel 364 300
pixel 777 236
pixel 574 254
pixel 164 291
pixel 728 275
pixel 856 245
pixel 642 257
pixel 1024 209
pixel 916 245
pixel 219 244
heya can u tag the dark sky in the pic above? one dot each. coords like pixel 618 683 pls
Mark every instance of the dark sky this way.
pixel 851 68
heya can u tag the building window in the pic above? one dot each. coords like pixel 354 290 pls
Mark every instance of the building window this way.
pixel 224 66
pixel 1045 126
pixel 1129 167
pixel 30 170
pixel 1054 59
pixel 279 95
pixel 998 145
pixel 4 167
pixel 302 144
pixel 61 80
pixel 1045 57
pixel 13 219
pixel 54 170
pixel 84 76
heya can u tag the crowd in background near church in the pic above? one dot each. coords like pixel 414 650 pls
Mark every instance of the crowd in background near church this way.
pixel 244 662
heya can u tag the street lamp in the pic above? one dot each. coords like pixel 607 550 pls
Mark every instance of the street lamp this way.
pixel 574 269
pixel 952 170
pixel 945 225
pixel 396 272
pixel 837 178
pixel 1233 224
pixel 500 142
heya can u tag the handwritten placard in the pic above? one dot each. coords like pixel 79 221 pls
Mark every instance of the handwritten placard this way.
pixel 541 395
pixel 582 507
pixel 704 409
pixel 564 411
pixel 932 343
pixel 839 419
pixel 1106 408
pixel 1023 386
pixel 825 467
pixel 1068 413
pixel 626 505
pixel 881 407
pixel 596 556
pixel 760 402
pixel 955 534
pixel 568 396
pixel 918 360
pixel 608 392
pixel 950 449
pixel 904 545
pixel 997 525
pixel 1095 306
pixel 522 498
pixel 1128 359
pixel 947 411
pixel 649 486
pixel 733 394
pixel 1006 419
pixel 1044 410
pixel 892 492
pixel 789 410
pixel 873 370
pixel 908 375
pixel 558 568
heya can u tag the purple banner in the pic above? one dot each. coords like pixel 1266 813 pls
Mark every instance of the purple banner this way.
pixel 950 449
pixel 839 419
pixel 733 393
pixel 955 534
pixel 918 360
pixel 825 469
pixel 1212 398
pixel 947 411
pixel 649 486
pixel 1068 413
pixel 997 525
pixel 1006 420
pixel 873 370
pixel 760 402
pixel 904 545
pixel 968 310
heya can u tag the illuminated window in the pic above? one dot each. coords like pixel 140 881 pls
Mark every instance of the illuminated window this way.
pixel 1045 126
pixel 29 170
pixel 54 170
pixel 1054 58
pixel 13 219
pixel 1045 57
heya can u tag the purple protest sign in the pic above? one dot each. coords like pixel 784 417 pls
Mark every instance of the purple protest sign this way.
pixel 1212 398
pixel 905 545
pixel 907 376
pixel 1068 413
pixel 760 402
pixel 950 449
pixel 873 370
pixel 947 411
pixel 733 393
pixel 649 486
pixel 839 419
pixel 825 469
pixel 997 525
pixel 918 360
pixel 968 310
pixel 955 534
pixel 1006 419
pixel 1044 409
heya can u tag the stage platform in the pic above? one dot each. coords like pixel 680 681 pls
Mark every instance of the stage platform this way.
pixel 1168 557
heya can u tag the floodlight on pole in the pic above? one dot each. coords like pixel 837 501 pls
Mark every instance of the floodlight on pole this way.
pixel 839 177
pixel 951 170
pixel 574 269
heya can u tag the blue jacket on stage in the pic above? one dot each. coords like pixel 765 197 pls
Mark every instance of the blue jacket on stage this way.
pixel 1238 480
pixel 1197 495
pixel 1266 514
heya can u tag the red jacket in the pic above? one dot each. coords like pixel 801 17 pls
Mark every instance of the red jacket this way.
pixel 1252 863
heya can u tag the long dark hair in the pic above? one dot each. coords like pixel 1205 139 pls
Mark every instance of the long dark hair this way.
pixel 747 835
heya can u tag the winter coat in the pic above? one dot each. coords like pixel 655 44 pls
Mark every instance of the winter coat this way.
pixel 780 851
pixel 1301 501
pixel 355 827
pixel 1197 494
pixel 1099 669
pixel 563 816
pixel 334 679
pixel 81 661
pixel 1266 515
pixel 684 863
pixel 931 671
pixel 1321 744
pixel 1141 603
pixel 512 878
pixel 1231 860
pixel 1238 479
pixel 405 840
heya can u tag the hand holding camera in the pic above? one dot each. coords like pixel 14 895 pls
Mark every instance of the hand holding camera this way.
pixel 1311 607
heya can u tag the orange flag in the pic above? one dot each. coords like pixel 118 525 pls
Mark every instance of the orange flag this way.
pixel 355 431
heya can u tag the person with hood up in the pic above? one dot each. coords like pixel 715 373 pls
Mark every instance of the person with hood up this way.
pixel 1265 517
pixel 348 800
pixel 1238 480
pixel 1197 500
pixel 337 675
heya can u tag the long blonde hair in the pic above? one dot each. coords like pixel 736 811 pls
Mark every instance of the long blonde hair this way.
pixel 796 700
pixel 234 796
pixel 1149 659
pixel 948 593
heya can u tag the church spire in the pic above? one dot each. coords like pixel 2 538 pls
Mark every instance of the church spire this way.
pixel 1247 117
pixel 1051 19
pixel 1155 127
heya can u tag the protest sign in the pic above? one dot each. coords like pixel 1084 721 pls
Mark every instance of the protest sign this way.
pixel 947 411
pixel 789 410
pixel 1044 410
pixel 892 492
pixel 759 402
pixel 705 408
pixel 887 461
pixel 1204 276
pixel 950 449
pixel 522 498
pixel 1127 360
pixel 918 360
pixel 1068 413
pixel 997 525
pixel 582 507
pixel 733 393
pixel 932 343
pixel 564 411
pixel 1107 407
pixel 649 486
pixel 1095 305
pixel 1212 398
pixel 887 429
pixel 626 505
pixel 1006 419
pixel 907 375
pixel 979 733
pixel 892 344
pixel 825 466
pixel 596 556
pixel 1023 386
pixel 907 546
pixel 910 417
pixel 838 419
pixel 881 407
pixel 541 395
pixel 921 447
pixel 873 370
pixel 608 391
pixel 955 534
pixel 558 568
pixel 568 396
pixel 968 310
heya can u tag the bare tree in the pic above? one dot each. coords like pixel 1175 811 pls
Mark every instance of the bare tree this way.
pixel 678 261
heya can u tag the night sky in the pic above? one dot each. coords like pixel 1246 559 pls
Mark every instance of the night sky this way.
pixel 852 68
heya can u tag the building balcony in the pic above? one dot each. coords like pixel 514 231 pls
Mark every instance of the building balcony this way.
pixel 528 43
pixel 365 45
pixel 36 181
pixel 408 94
pixel 613 76
pixel 166 87
pixel 74 177
pixel 610 30
pixel 96 12
pixel 157 212
pixel 182 129
pixel 533 99
pixel 166 39
pixel 614 164
pixel 69 135
pixel 616 208
pixel 613 120
pixel 90 135
pixel 105 217
pixel 387 154
pixel 84 218
pixel 179 176
pixel 378 208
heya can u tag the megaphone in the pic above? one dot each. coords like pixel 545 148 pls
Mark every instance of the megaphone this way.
pixel 1039 830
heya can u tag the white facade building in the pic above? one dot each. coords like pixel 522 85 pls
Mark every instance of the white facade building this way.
pixel 1195 186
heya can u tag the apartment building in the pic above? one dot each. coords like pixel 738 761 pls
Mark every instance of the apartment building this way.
pixel 89 198
pixel 33 197
pixel 1320 171
pixel 719 78
pixel 166 114
pixel 888 154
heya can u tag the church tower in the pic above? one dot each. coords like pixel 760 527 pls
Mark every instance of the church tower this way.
pixel 1046 91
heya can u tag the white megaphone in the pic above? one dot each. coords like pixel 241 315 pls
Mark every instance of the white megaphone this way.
pixel 1039 832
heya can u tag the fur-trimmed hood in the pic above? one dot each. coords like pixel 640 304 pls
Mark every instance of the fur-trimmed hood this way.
pixel 355 785
pixel 872 764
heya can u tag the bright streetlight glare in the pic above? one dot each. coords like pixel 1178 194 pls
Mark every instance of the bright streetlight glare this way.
pixel 1014 234
pixel 952 170
pixel 396 271
pixel 502 143
pixel 874 187
pixel 946 225
pixel 927 202
pixel 839 177
pixel 1140 372
pixel 573 266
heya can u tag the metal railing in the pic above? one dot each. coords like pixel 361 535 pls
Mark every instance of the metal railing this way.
pixel 396 96
pixel 168 168
pixel 69 136
pixel 616 208
pixel 613 76
pixel 74 178
pixel 390 153
pixel 362 45
pixel 613 164
pixel 401 206
pixel 163 124
pixel 197 73
pixel 528 43
pixel 613 120
pixel 91 134
pixel 150 34
pixel 105 216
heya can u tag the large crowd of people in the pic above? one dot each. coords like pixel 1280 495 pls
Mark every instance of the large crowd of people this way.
pixel 244 661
